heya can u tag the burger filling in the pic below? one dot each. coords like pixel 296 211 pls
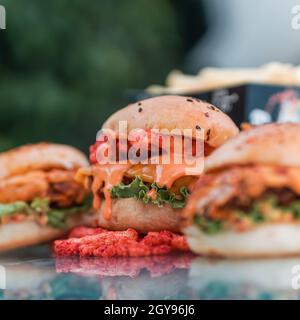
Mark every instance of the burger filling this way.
pixel 150 193
pixel 47 197
pixel 267 208
pixel 243 197
pixel 160 184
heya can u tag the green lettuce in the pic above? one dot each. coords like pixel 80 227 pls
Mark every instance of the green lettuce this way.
pixel 139 190
pixel 254 213
pixel 55 217
pixel 11 208
pixel 209 226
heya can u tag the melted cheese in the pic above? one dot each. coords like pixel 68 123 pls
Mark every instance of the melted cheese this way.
pixel 104 177
pixel 162 174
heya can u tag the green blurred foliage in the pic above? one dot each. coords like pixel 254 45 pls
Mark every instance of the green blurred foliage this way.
pixel 65 65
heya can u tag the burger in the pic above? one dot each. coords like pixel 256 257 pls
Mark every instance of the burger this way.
pixel 148 195
pixel 247 204
pixel 39 198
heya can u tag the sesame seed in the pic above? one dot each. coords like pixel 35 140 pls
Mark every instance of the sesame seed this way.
pixel 208 135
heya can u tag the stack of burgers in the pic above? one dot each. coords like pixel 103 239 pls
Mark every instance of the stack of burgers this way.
pixel 240 198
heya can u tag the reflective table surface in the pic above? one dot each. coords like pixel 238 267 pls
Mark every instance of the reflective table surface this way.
pixel 33 273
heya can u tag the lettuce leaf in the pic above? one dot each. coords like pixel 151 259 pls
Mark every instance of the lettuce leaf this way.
pixel 139 190
pixel 11 208
pixel 258 212
pixel 209 226
pixel 55 217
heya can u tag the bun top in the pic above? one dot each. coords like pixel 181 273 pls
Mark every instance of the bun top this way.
pixel 270 144
pixel 176 112
pixel 40 156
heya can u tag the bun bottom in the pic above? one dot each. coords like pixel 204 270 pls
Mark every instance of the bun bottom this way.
pixel 132 213
pixel 268 240
pixel 26 233
pixel 22 234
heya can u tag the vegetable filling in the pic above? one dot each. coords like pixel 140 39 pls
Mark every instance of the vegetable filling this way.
pixel 40 210
pixel 265 209
pixel 150 193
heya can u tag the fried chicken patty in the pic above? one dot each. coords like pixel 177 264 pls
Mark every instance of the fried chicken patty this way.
pixel 57 185
pixel 220 195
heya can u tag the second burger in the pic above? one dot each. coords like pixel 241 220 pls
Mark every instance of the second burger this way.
pixel 148 196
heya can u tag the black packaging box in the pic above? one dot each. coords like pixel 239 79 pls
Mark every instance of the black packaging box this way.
pixel 252 103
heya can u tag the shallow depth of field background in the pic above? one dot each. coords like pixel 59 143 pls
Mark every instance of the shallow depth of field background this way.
pixel 67 65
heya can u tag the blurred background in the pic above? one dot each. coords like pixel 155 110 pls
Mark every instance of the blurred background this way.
pixel 65 66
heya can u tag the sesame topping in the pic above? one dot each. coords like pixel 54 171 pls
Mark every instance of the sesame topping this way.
pixel 211 107
pixel 189 100
pixel 140 109
pixel 206 114
pixel 208 134
pixel 198 127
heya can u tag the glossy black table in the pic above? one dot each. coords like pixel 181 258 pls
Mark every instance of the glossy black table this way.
pixel 34 273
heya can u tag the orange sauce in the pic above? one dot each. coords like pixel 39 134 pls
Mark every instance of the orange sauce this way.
pixel 105 176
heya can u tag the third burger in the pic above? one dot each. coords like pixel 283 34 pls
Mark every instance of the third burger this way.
pixel 247 204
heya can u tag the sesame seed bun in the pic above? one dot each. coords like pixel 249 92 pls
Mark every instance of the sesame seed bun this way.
pixel 176 112
pixel 27 233
pixel 267 240
pixel 132 213
pixel 270 144
pixel 164 112
pixel 40 156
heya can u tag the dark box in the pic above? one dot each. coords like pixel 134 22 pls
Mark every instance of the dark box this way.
pixel 253 103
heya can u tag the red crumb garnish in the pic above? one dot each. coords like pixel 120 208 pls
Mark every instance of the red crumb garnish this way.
pixel 89 242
